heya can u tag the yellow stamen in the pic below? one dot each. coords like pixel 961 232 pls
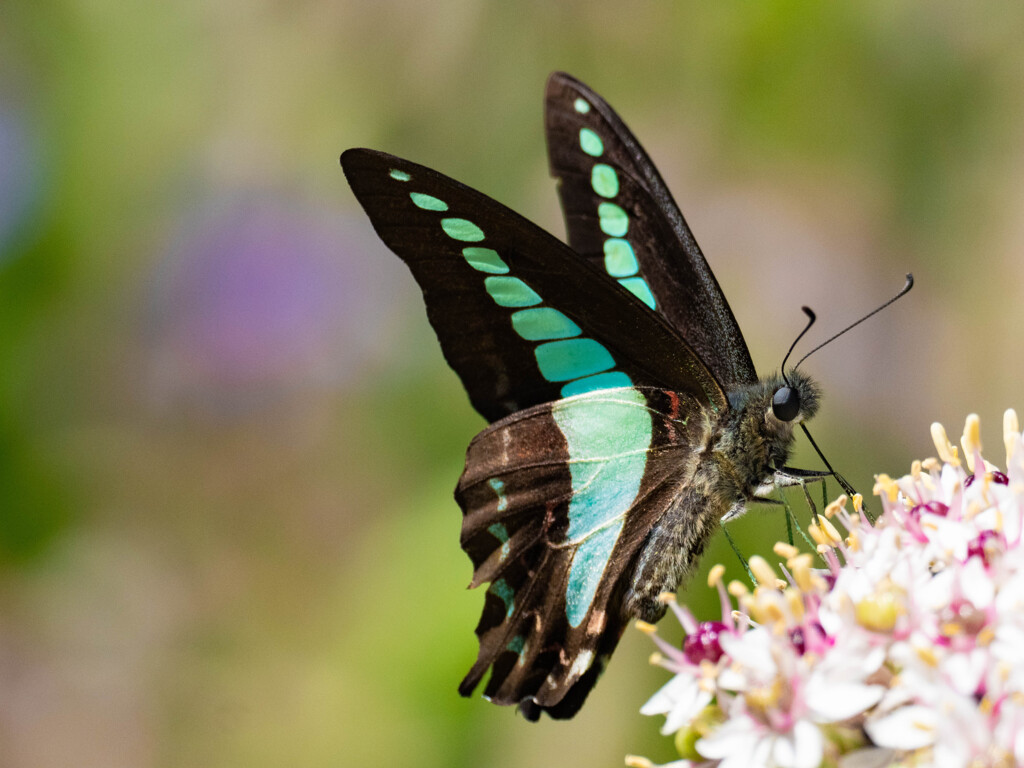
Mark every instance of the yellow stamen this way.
pixel 927 655
pixel 915 469
pixel 708 670
pixel 971 439
pixel 945 449
pixel 800 567
pixel 819 536
pixel 831 532
pixel 646 628
pixel 931 463
pixel 985 636
pixel 795 601
pixel 886 485
pixel 770 612
pixel 782 549
pixel 858 502
pixel 764 698
pixel 655 659
pixel 665 598
pixel 880 611
pixel 1011 433
pixel 715 574
pixel 835 507
pixel 635 761
pixel 853 541
pixel 801 560
pixel 737 589
pixel 762 571
pixel 747 605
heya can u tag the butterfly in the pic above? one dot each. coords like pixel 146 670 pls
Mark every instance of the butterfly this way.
pixel 626 418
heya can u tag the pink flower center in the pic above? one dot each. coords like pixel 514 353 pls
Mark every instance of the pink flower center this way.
pixel 703 644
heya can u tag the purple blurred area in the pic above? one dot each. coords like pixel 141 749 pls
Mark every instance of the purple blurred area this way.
pixel 259 297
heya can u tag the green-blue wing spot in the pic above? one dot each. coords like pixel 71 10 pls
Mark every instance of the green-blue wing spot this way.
pixel 581 106
pixel 608 435
pixel 639 288
pixel 511 292
pixel 542 323
pixel 604 180
pixel 398 175
pixel 485 260
pixel 609 380
pixel 516 644
pixel 619 258
pixel 585 573
pixel 612 219
pixel 572 359
pixel 428 202
pixel 461 229
pixel 500 532
pixel 591 143
pixel 498 486
pixel 500 588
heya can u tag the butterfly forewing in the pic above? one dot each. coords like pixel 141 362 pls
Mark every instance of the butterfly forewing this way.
pixel 521 318
pixel 557 501
pixel 620 215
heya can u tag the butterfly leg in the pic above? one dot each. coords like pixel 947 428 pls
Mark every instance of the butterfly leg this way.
pixel 790 476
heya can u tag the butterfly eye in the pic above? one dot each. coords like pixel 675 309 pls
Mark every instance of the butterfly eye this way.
pixel 786 404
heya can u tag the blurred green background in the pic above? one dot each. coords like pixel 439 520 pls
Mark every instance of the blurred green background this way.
pixel 228 439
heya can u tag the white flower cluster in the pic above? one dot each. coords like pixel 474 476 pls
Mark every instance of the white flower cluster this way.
pixel 907 649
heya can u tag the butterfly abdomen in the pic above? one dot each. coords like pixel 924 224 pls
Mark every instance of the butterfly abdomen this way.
pixel 676 542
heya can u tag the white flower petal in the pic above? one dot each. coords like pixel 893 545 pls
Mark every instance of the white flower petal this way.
pixel 680 700
pixel 685 712
pixel 832 702
pixel 803 747
pixel 675 689
pixel 910 727
pixel 736 736
pixel 977 584
pixel 965 670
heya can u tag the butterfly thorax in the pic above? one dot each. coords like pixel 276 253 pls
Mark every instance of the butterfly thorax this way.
pixel 736 462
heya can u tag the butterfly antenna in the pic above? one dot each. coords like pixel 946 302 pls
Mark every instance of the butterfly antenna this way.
pixel 903 292
pixel 811 317
pixel 849 489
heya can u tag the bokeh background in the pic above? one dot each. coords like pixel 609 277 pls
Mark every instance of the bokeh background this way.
pixel 228 439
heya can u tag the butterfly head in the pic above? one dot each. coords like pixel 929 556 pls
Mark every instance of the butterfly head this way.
pixel 796 399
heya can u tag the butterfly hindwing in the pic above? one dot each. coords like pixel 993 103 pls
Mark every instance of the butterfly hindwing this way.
pixel 521 318
pixel 620 215
pixel 557 502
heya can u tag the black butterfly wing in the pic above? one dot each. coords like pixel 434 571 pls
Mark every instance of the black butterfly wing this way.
pixel 521 318
pixel 558 500
pixel 620 215
pixel 604 397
